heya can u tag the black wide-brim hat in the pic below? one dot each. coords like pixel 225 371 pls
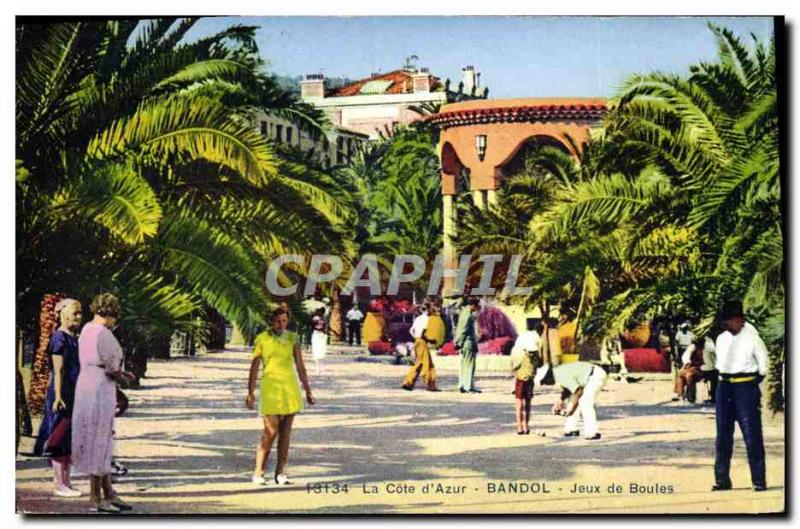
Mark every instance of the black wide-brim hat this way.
pixel 731 309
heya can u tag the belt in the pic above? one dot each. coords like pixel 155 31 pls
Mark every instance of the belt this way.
pixel 595 366
pixel 740 379
pixel 737 378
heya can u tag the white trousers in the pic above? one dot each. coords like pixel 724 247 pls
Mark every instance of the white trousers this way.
pixel 586 405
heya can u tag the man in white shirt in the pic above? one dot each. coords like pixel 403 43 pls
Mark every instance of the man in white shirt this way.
pixel 354 318
pixel 742 364
pixel 420 323
pixel 423 363
pixel 684 337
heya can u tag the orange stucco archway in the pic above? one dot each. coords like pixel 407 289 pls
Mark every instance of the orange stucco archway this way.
pixel 508 124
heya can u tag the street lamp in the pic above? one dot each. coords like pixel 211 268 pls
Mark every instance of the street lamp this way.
pixel 480 146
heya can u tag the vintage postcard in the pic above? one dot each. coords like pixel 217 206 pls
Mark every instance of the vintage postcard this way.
pixel 325 265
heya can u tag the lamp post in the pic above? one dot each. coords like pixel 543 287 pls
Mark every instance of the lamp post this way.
pixel 480 146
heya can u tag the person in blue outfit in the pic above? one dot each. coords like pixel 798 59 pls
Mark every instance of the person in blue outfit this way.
pixel 742 365
pixel 466 341
pixel 64 370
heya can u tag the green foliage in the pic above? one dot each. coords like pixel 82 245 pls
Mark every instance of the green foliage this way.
pixel 395 183
pixel 114 196
pixel 674 208
pixel 139 171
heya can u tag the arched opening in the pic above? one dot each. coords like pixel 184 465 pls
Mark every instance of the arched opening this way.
pixel 453 171
pixel 451 164
pixel 515 163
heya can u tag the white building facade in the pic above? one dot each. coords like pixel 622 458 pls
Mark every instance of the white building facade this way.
pixel 331 148
pixel 376 104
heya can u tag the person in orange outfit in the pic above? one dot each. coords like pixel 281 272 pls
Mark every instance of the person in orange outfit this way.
pixel 422 342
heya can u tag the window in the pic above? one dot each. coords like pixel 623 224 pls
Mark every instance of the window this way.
pixel 264 128
pixel 289 132
pixel 279 132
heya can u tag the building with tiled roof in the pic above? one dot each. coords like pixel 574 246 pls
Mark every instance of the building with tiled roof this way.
pixel 396 82
pixel 378 103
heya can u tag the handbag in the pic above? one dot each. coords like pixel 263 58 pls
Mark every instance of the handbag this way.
pixel 59 435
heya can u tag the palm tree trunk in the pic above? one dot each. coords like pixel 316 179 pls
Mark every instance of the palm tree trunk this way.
pixel 545 328
pixel 335 324
pixel 578 316
pixel 23 424
pixel 40 368
pixel 774 381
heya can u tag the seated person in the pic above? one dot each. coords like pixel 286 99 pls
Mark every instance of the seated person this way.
pixel 694 368
pixel 709 371
pixel 613 359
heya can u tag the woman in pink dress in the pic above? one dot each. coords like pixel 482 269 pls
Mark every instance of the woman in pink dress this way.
pixel 95 403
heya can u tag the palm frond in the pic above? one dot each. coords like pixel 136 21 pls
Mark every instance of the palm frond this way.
pixel 223 69
pixel 189 128
pixel 611 199
pixel 50 68
pixel 214 266
pixel 734 55
pixel 150 301
pixel 114 196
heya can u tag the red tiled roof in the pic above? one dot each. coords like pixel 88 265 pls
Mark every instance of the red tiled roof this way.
pixel 401 80
pixel 514 110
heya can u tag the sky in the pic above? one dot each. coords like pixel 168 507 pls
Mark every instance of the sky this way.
pixel 516 56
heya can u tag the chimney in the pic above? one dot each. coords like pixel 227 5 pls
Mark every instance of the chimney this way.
pixel 469 78
pixel 313 87
pixel 422 81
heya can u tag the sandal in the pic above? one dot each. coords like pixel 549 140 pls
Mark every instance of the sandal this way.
pixel 67 492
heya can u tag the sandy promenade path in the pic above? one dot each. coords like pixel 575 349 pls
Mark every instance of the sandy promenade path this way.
pixel 188 441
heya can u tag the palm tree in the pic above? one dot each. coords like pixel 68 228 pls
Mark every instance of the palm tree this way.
pixel 675 206
pixel 394 183
pixel 716 134
pixel 139 171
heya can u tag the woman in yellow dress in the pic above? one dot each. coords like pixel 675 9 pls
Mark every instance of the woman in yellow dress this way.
pixel 279 395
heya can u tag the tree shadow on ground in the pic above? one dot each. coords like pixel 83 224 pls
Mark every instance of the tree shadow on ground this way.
pixel 353 437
